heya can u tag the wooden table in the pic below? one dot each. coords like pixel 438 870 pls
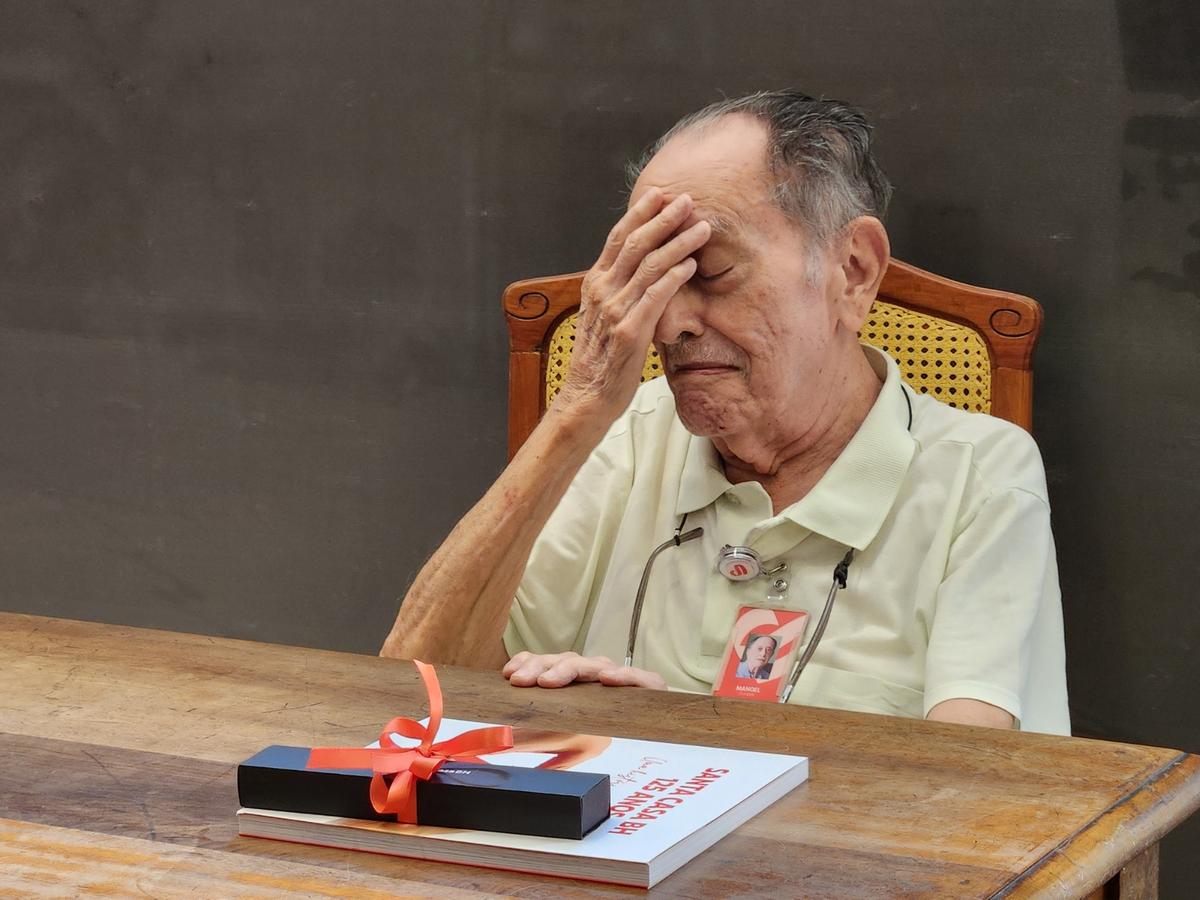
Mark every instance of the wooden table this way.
pixel 118 748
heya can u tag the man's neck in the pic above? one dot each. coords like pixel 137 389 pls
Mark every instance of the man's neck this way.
pixel 792 456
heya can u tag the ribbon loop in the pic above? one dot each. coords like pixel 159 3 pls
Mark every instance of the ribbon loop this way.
pixel 407 764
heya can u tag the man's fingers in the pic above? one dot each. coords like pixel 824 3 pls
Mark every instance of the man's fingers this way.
pixel 576 668
pixel 657 264
pixel 655 298
pixel 648 238
pixel 531 666
pixel 636 216
pixel 628 676
pixel 555 670
pixel 659 276
pixel 516 663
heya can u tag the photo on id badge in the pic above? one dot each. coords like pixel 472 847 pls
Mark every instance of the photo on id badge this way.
pixel 760 652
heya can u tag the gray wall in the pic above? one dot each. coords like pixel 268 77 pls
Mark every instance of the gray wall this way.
pixel 252 366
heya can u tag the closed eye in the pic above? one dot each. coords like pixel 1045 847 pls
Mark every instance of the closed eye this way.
pixel 715 275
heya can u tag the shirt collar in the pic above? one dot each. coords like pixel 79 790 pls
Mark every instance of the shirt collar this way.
pixel 854 496
pixel 703 479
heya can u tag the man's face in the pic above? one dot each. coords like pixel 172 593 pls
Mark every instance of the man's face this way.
pixel 744 342
pixel 759 652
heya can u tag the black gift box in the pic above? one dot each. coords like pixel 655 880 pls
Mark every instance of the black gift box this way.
pixel 544 802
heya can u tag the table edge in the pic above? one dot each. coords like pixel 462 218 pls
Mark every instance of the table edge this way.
pixel 1084 861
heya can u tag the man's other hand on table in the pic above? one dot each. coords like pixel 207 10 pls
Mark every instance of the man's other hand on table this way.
pixel 554 670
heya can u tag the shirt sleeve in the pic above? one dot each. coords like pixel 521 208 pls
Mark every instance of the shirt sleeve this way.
pixel 997 631
pixel 554 600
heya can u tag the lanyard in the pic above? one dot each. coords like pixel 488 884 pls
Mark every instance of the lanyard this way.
pixel 840 573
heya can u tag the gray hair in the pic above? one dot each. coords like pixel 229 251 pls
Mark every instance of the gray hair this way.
pixel 818 153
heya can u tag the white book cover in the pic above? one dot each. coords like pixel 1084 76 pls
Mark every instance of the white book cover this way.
pixel 669 803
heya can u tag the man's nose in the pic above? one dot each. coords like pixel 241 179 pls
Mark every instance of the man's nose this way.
pixel 683 316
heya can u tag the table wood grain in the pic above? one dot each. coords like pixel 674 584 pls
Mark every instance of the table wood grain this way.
pixel 120 745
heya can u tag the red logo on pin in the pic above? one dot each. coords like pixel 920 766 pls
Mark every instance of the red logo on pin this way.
pixel 738 569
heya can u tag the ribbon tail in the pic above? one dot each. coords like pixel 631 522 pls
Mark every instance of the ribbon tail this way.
pixel 398 799
pixel 408 814
pixel 434 689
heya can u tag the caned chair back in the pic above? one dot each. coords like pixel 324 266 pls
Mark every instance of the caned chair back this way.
pixel 969 347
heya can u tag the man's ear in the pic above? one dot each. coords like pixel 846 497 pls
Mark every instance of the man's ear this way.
pixel 863 258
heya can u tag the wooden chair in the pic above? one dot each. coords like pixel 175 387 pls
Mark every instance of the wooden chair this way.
pixel 968 346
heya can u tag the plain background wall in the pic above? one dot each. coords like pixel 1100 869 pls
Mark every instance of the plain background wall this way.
pixel 252 363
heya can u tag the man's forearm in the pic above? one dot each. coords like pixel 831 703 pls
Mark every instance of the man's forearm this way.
pixel 965 711
pixel 457 608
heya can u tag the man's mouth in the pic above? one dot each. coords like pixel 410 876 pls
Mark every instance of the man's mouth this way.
pixel 702 368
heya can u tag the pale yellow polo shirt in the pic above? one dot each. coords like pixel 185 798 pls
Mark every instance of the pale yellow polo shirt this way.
pixel 953 591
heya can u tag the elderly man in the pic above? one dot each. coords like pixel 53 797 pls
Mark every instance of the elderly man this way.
pixel 750 254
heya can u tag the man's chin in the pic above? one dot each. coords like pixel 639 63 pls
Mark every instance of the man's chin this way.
pixel 709 406
pixel 701 416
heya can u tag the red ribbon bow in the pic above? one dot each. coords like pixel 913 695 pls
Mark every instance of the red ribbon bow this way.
pixel 407 764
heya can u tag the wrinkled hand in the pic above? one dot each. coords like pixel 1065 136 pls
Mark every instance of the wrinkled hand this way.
pixel 552 670
pixel 645 261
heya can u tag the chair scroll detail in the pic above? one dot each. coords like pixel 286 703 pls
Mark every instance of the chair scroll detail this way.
pixel 968 346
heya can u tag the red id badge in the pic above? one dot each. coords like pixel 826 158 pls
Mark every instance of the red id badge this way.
pixel 761 650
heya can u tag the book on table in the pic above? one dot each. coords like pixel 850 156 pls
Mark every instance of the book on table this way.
pixel 670 802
